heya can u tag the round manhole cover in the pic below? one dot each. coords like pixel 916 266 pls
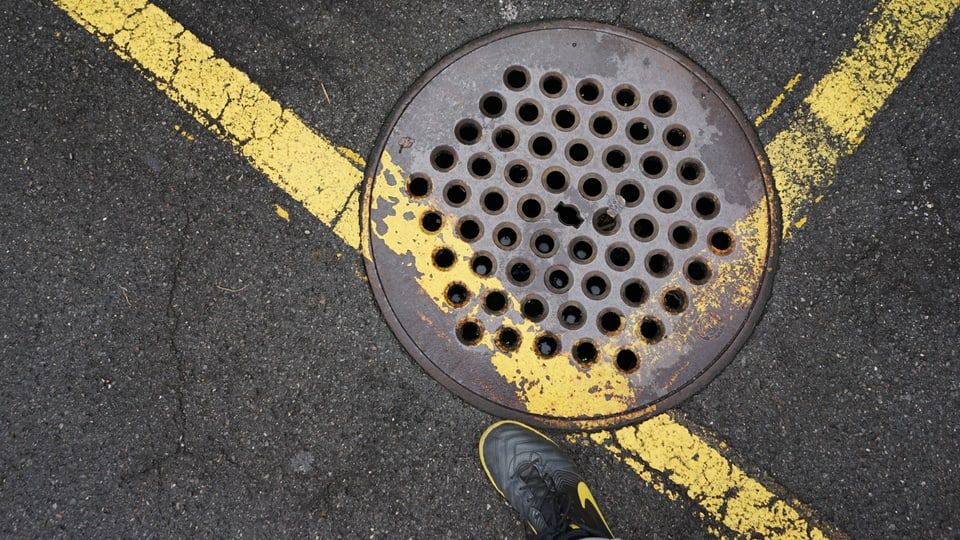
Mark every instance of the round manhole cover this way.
pixel 570 224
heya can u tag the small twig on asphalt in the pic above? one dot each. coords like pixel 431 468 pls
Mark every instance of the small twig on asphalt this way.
pixel 124 295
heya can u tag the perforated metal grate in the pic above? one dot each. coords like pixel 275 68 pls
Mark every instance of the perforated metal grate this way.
pixel 571 224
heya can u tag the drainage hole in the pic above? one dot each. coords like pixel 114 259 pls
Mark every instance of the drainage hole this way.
pixel 492 105
pixel 493 202
pixel 507 236
pixel 675 301
pixel 653 165
pixel 602 125
pixel 482 265
pixel 630 193
pixel 481 165
pixel 544 244
pixel 508 339
pixel 659 264
pixel 644 228
pixel 578 153
pixel 419 186
pixel 553 84
pixel 443 158
pixel 697 271
pixel 662 103
pixel 495 302
pixel 606 222
pixel 457 294
pixel 516 78
pixel 533 308
pixel 589 91
pixel 683 235
pixel 541 146
pixel 615 159
pixel 456 194
pixel 610 322
pixel 571 316
pixel 555 180
pixel 520 273
pixel 676 138
pixel 651 329
pixel 596 286
pixel 518 174
pixel 531 209
pixel 568 215
pixel 558 279
pixel 529 112
pixel 667 199
pixel 505 139
pixel 565 118
pixel 619 257
pixel 627 361
pixel 721 242
pixel 592 187
pixel 469 229
pixel 691 171
pixel 469 332
pixel 582 250
pixel 585 352
pixel 634 293
pixel 706 206
pixel 639 131
pixel 431 221
pixel 468 131
pixel 547 345
pixel 444 258
pixel 625 97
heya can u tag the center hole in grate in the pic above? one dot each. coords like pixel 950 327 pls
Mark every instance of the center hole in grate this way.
pixel 568 215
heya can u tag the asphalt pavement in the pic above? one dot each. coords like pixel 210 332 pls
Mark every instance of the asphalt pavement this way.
pixel 180 360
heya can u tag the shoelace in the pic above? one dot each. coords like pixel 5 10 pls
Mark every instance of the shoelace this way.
pixel 552 505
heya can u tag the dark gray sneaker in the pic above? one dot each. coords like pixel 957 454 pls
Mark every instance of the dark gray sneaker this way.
pixel 540 482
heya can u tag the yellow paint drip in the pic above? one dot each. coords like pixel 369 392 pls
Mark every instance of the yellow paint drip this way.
pixel 273 139
pixel 553 387
pixel 282 212
pixel 778 100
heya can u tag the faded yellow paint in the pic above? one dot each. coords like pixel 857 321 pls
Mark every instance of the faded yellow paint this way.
pixel 837 112
pixel 666 453
pixel 561 397
pixel 778 100
pixel 273 139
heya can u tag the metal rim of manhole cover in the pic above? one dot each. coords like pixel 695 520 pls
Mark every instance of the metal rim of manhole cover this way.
pixel 570 224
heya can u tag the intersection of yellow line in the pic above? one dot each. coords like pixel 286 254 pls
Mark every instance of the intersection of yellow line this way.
pixel 831 122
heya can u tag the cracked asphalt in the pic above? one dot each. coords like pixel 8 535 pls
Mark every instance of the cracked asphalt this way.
pixel 178 360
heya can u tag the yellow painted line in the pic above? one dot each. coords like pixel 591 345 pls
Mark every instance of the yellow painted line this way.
pixel 676 461
pixel 322 177
pixel 665 451
pixel 778 100
pixel 836 113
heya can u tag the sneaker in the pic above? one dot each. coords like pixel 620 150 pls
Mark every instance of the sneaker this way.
pixel 540 482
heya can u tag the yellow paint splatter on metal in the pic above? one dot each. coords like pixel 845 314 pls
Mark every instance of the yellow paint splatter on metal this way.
pixel 836 114
pixel 273 139
pixel 550 387
pixel 666 453
pixel 282 212
pixel 778 100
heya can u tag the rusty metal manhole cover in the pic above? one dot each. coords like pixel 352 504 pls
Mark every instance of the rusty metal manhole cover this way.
pixel 570 224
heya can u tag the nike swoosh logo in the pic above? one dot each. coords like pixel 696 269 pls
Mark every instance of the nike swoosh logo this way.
pixel 586 497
